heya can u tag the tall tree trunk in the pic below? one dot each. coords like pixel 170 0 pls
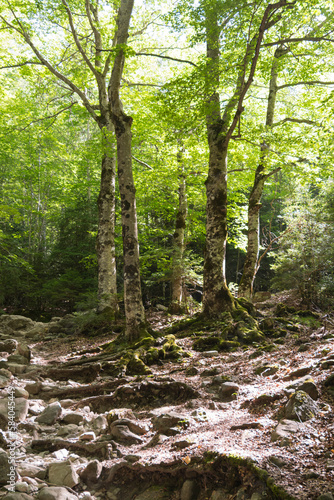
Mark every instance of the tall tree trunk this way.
pixel 134 310
pixel 254 203
pixel 178 300
pixel 105 243
pixel 216 295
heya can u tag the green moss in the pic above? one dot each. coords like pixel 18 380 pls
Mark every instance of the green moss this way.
pixel 228 345
pixel 206 343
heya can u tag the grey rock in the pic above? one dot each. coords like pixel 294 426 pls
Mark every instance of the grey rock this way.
pixel 73 418
pixel 307 385
pixel 266 370
pixel 4 467
pixel 65 430
pixel 14 368
pixel 285 429
pixel 21 393
pixel 55 493
pixel 24 350
pixel 189 490
pixel 326 496
pixel 100 424
pixel 92 472
pixel 330 465
pixel 17 358
pixel 63 474
pixel 31 470
pixel 219 494
pixel 87 436
pixel 278 461
pixel 8 345
pixel 21 409
pixel 210 354
pixel 301 407
pixel 50 415
pixel 17 496
pixel 228 391
pixel 166 423
pixel 122 434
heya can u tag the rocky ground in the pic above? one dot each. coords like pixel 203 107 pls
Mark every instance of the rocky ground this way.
pixel 233 422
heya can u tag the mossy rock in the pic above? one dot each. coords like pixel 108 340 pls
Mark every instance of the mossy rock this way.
pixel 145 342
pixel 249 306
pixel 228 345
pixel 135 365
pixel 267 324
pixel 206 343
pixel 170 350
pixel 284 310
pixel 152 355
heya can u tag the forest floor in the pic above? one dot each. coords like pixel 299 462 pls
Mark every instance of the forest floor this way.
pixel 210 404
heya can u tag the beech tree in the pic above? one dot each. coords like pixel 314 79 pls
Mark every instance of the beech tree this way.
pixel 106 69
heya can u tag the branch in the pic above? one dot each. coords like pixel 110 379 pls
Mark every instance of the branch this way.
pixel 273 172
pixel 167 57
pixel 295 120
pixel 142 163
pixel 49 116
pixel 76 39
pixel 129 84
pixel 46 63
pixel 296 40
pixel 241 92
pixel 312 82
pixel 20 64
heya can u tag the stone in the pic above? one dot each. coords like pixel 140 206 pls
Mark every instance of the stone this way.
pixel 5 377
pixel 73 418
pixel 278 461
pixel 99 424
pixel 166 423
pixel 31 470
pixel 228 391
pixel 8 345
pixel 189 490
pixel 21 409
pixel 16 322
pixel 22 487
pixel 300 372
pixel 92 472
pixel 33 388
pixel 50 415
pixel 325 496
pixel 191 371
pixel 219 494
pixel 285 429
pixel 36 331
pixel 17 496
pixel 21 393
pixel 14 368
pixel 210 354
pixel 63 474
pixel 307 385
pixel 266 370
pixel 4 467
pixel 135 428
pixel 55 493
pixel 300 407
pixel 65 430
pixel 87 436
pixel 122 434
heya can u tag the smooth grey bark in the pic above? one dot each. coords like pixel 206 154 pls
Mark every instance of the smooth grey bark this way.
pixel 134 310
pixel 178 304
pixel 105 241
pixel 251 264
pixel 216 295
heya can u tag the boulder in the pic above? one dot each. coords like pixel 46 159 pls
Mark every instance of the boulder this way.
pixel 189 490
pixel 228 391
pixel 4 467
pixel 55 493
pixel 17 496
pixel 73 418
pixel 300 407
pixel 284 431
pixel 50 415
pixel 92 472
pixel 21 409
pixel 8 345
pixel 16 322
pixel 122 434
pixel 307 385
pixel 63 474
pixel 170 423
